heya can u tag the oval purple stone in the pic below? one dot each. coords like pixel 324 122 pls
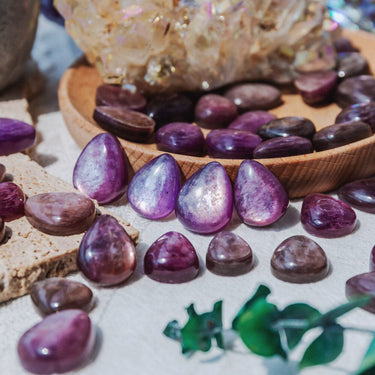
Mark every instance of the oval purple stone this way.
pixel 350 64
pixel 154 188
pixel 12 201
pixel 359 194
pixel 372 259
pixel 205 202
pixel 60 343
pixel 2 230
pixel 362 284
pixel 325 216
pixel 2 172
pixel 259 197
pixel 251 121
pixel 364 112
pixel 171 259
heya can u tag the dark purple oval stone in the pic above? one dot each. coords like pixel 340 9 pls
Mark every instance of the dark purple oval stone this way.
pixel 359 194
pixel 231 144
pixel 259 197
pixel 101 170
pixel 124 123
pixel 362 284
pixel 106 254
pixel 15 136
pixel 298 259
pixel 171 259
pixel 350 64
pixel 364 112
pixel 205 202
pixel 251 121
pixel 229 255
pixel 154 188
pixel 2 230
pixel 116 96
pixel 325 216
pixel 57 293
pixel 340 134
pixel 12 201
pixel 181 138
pixel 372 260
pixel 2 172
pixel 61 342
pixel 283 146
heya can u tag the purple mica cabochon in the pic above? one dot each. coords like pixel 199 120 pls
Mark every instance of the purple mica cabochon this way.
pixel 364 112
pixel 251 121
pixel 60 343
pixel 2 230
pixel 101 170
pixel 259 197
pixel 325 216
pixel 372 259
pixel 360 194
pixel 171 259
pixel 205 201
pixel 154 188
pixel 362 284
pixel 12 201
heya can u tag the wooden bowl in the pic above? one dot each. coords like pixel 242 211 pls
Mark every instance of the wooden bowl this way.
pixel 300 175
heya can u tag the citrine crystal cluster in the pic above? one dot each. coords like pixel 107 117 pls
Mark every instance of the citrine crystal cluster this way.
pixel 179 45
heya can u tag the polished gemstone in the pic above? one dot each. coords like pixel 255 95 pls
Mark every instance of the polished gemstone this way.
pixel 106 254
pixel 251 121
pixel 154 188
pixel 372 259
pixel 124 123
pixel 181 138
pixel 57 293
pixel 350 64
pixel 12 201
pixel 15 136
pixel 214 111
pixel 283 146
pixel 340 134
pixel 259 197
pixel 2 230
pixel 61 342
pixel 60 214
pixel 362 284
pixel 355 90
pixel 316 87
pixel 287 126
pixel 171 259
pixel 254 96
pixel 2 172
pixel 101 170
pixel 229 255
pixel 344 45
pixel 205 202
pixel 359 194
pixel 364 112
pixel 231 144
pixel 299 259
pixel 116 96
pixel 325 216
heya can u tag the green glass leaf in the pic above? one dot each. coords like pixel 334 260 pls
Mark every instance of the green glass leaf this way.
pixel 173 330
pixel 325 348
pixel 368 363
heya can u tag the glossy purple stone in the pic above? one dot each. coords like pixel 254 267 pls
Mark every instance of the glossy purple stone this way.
pixel 298 259
pixel 355 90
pixel 205 201
pixel 154 188
pixel 316 87
pixel 259 197
pixel 214 111
pixel 15 136
pixel 12 201
pixel 350 64
pixel 171 259
pixel 362 284
pixel 364 112
pixel 325 216
pixel 344 45
pixel 106 254
pixel 2 230
pixel 124 123
pixel 340 134
pixel 101 170
pixel 283 146
pixel 57 293
pixel 254 96
pixel 251 121
pixel 61 342
pixel 181 138
pixel 372 260
pixel 116 96
pixel 229 255
pixel 359 194
pixel 2 172
pixel 231 144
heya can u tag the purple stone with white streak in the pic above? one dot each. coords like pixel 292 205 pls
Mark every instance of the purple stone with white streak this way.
pixel 251 121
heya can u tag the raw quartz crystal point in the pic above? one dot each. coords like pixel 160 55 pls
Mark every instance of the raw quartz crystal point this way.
pixel 259 197
pixel 171 259
pixel 205 202
pixel 362 284
pixel 154 188
pixel 198 44
pixel 61 342
pixel 101 170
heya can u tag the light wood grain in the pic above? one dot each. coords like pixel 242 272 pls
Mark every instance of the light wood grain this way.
pixel 301 175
